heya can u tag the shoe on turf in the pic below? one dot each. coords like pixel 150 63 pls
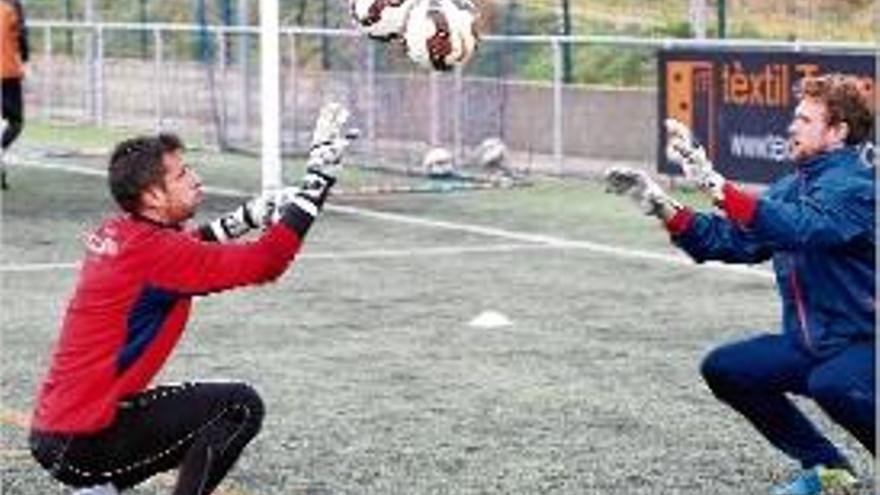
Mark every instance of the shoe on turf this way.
pixel 819 480
pixel 106 489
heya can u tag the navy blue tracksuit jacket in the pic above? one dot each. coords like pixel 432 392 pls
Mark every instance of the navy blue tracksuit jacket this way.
pixel 818 226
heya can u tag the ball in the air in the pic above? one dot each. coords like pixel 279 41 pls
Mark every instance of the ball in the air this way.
pixel 441 34
pixel 383 20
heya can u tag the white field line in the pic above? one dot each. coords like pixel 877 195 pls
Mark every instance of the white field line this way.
pixel 549 241
pixel 36 267
pixel 369 254
pixel 523 237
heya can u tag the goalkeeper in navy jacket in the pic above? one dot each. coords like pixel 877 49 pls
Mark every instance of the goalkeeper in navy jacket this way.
pixel 817 226
pixel 96 422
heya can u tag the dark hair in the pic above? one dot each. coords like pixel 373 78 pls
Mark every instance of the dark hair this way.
pixel 136 164
pixel 847 99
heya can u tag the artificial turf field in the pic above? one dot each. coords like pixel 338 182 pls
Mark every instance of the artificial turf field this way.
pixel 374 381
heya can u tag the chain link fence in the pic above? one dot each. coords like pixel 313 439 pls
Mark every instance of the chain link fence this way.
pixel 204 81
pixel 814 20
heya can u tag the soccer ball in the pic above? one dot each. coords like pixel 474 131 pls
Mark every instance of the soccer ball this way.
pixel 441 34
pixel 438 163
pixel 383 20
pixel 491 154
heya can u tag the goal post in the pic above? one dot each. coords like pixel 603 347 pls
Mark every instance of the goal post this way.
pixel 270 96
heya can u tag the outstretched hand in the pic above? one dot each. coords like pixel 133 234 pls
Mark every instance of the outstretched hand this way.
pixel 641 188
pixel 330 139
pixel 684 151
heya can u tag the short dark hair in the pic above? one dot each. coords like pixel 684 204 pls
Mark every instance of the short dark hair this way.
pixel 847 99
pixel 136 164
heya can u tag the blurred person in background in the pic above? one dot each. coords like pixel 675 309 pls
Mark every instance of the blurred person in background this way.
pixel 14 54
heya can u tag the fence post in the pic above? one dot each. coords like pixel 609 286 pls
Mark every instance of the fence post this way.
pixel 157 77
pixel 558 156
pixel 244 68
pixel 99 75
pixel 270 93
pixel 457 114
pixel 89 72
pixel 294 91
pixel 220 84
pixel 567 65
pixel 697 16
pixel 371 102
pixel 434 88
pixel 89 76
pixel 46 76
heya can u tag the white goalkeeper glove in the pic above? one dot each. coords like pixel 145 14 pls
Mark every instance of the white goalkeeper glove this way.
pixel 641 188
pixel 682 150
pixel 330 139
pixel 256 213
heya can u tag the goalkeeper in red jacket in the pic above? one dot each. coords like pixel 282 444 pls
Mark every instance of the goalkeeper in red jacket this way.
pixel 97 422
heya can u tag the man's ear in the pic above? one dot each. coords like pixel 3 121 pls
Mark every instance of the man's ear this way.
pixel 839 132
pixel 152 197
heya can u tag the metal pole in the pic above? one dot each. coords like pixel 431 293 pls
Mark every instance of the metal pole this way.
pixel 270 91
pixel 157 77
pixel 722 18
pixel 220 87
pixel 203 49
pixel 144 34
pixel 99 75
pixel 68 15
pixel 46 77
pixel 511 24
pixel 434 87
pixel 458 113
pixel 557 106
pixel 568 64
pixel 226 12
pixel 325 43
pixel 244 69
pixel 294 89
pixel 91 77
pixel 371 102
pixel 697 14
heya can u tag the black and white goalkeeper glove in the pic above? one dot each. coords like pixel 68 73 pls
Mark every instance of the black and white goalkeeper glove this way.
pixel 256 213
pixel 329 142
pixel 684 151
pixel 298 211
pixel 641 188
pixel 330 139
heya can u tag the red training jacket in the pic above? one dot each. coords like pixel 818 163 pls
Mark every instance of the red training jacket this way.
pixel 130 307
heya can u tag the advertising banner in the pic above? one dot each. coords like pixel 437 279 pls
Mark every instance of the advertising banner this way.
pixel 740 103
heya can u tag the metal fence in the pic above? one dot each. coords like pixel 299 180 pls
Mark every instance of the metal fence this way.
pixel 203 81
pixel 779 19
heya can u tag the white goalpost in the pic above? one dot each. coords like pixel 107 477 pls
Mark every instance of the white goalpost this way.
pixel 270 96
